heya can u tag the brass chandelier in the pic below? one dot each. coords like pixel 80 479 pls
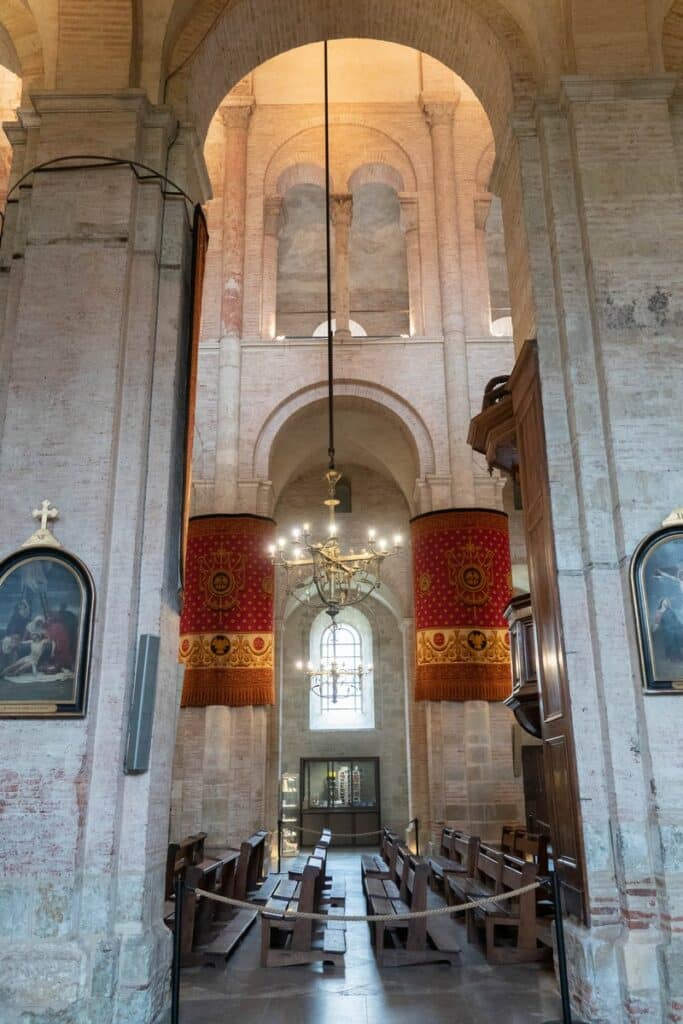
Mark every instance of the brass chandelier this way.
pixel 336 684
pixel 319 573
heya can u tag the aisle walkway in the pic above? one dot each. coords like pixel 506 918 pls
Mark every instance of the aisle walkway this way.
pixel 473 993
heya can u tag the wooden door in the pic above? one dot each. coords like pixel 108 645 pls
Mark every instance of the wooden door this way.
pixel 558 742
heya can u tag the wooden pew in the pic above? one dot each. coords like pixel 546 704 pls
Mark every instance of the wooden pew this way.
pixel 211 930
pixel 287 942
pixel 380 865
pixel 188 851
pixel 517 915
pixel 509 836
pixel 533 847
pixel 484 880
pixel 251 881
pixel 333 891
pixel 459 858
pixel 413 941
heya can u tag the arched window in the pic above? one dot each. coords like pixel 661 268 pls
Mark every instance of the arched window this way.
pixel 341 673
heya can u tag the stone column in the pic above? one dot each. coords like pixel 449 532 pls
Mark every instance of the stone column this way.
pixel 236 115
pixel 341 212
pixel 482 208
pixel 440 114
pixel 410 228
pixel 593 182
pixel 95 272
pixel 407 636
pixel 272 212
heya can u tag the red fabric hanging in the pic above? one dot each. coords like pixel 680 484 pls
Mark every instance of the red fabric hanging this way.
pixel 462 584
pixel 226 628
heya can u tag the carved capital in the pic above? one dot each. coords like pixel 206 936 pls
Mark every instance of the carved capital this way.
pixel 272 210
pixel 439 110
pixel 341 209
pixel 409 211
pixel 235 113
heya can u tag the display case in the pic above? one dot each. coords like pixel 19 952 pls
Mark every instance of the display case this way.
pixel 341 794
pixel 289 813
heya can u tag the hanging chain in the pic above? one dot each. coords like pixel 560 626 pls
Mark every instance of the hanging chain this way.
pixel 328 249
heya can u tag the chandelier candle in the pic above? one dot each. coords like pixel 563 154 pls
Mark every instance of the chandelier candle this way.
pixel 462 584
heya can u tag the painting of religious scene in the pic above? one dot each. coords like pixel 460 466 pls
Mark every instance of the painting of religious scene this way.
pixel 45 621
pixel 657 579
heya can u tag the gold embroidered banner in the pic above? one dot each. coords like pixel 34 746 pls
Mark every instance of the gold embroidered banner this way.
pixel 462 582
pixel 226 629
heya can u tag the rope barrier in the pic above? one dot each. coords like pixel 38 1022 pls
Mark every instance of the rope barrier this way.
pixel 372 918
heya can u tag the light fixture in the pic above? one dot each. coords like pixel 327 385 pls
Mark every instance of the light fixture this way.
pixel 317 572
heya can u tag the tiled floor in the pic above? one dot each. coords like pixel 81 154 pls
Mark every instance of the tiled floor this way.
pixel 471 993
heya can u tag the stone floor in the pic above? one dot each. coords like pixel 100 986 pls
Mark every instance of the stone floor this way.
pixel 474 992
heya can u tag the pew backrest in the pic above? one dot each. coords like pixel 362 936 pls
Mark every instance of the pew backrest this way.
pixel 250 867
pixel 489 868
pixel 463 850
pixel 189 851
pixel 311 885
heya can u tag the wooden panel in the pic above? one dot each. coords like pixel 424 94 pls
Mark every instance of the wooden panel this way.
pixel 559 756
pixel 535 799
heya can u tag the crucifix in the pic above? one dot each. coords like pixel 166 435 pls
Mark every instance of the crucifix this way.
pixel 43 535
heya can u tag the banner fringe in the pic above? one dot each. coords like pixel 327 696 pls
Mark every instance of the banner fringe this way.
pixel 437 682
pixel 204 687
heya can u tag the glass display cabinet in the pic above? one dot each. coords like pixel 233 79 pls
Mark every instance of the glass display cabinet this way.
pixel 341 794
pixel 289 813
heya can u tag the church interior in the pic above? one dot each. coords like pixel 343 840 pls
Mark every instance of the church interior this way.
pixel 342 563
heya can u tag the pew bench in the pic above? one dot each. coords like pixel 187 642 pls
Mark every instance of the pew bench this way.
pixel 485 880
pixel 517 915
pixel 460 859
pixel 187 852
pixel 412 941
pixel 379 865
pixel 211 930
pixel 289 942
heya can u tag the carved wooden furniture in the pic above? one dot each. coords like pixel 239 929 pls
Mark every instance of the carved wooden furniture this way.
pixel 510 432
pixel 523 700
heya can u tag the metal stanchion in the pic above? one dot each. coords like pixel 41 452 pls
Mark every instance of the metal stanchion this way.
pixel 279 845
pixel 416 823
pixel 561 955
pixel 177 950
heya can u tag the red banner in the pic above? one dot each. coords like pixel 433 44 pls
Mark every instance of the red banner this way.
pixel 226 628
pixel 462 584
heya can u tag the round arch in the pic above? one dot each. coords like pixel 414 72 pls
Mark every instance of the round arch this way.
pixel 300 173
pixel 391 162
pixel 411 423
pixel 21 49
pixel 379 174
pixel 478 39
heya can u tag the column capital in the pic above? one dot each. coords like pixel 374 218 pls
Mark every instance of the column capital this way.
pixel 341 209
pixel 235 113
pixel 439 109
pixel 272 211
pixel 409 211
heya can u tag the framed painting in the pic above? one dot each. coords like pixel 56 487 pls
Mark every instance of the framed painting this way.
pixel 46 617
pixel 657 586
